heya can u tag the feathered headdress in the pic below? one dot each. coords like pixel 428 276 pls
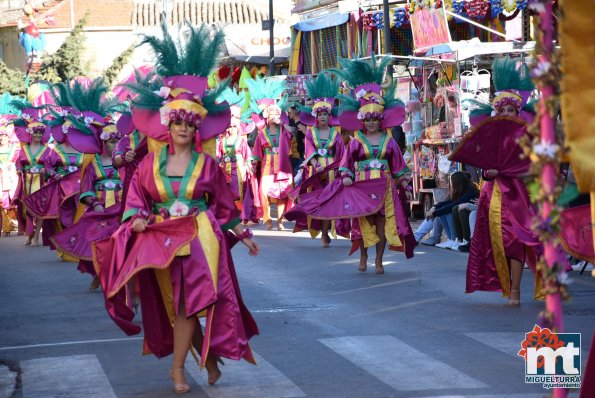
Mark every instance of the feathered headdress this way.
pixel 236 101
pixel 366 79
pixel 267 100
pixel 85 116
pixel 25 117
pixel 185 68
pixel 513 86
pixel 323 90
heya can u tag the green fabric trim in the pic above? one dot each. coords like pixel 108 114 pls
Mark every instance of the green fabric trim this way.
pixel 233 223
pixel 86 195
pixel 129 213
pixel 351 173
pixel 256 158
pixel 400 173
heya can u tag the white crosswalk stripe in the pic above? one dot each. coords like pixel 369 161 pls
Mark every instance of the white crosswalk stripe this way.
pixel 71 376
pixel 244 380
pixel 378 355
pixel 508 343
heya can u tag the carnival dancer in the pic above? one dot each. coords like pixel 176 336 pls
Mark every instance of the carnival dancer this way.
pixel 8 179
pixel 323 146
pixel 58 199
pixel 373 159
pixel 272 146
pixel 100 192
pixel 33 134
pixel 234 154
pixel 179 210
pixel 502 240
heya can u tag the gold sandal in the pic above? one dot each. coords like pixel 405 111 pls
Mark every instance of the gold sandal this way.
pixel 179 388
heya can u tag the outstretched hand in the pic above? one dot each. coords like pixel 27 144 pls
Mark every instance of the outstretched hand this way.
pixel 253 247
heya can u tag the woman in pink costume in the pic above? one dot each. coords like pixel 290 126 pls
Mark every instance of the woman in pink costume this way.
pixel 323 146
pixel 234 154
pixel 8 179
pixel 33 134
pixel 503 240
pixel 100 192
pixel 175 238
pixel 272 146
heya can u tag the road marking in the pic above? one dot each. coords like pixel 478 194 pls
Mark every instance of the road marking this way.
pixel 508 343
pixel 18 347
pixel 537 395
pixel 243 380
pixel 393 308
pixel 72 376
pixel 400 365
pixel 374 286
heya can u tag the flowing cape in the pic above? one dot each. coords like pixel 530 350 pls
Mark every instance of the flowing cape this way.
pixel 45 203
pixel 577 233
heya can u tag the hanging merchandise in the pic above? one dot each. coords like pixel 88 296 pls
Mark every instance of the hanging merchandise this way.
pixel 399 17
pixel 477 8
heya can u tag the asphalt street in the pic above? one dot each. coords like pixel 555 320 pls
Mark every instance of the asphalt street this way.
pixel 326 330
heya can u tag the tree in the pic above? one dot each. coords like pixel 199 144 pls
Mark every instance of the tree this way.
pixel 11 80
pixel 111 74
pixel 66 63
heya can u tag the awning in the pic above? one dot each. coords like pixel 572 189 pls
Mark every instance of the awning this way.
pixel 326 21
pixel 261 59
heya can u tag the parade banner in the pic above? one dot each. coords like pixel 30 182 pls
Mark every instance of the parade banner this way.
pixel 429 28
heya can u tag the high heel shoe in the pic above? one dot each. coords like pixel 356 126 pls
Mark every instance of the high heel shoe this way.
pixel 179 388
pixel 514 302
pixel 213 370
pixel 379 268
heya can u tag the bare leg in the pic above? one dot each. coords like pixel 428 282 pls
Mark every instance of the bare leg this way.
pixel 380 221
pixel 325 238
pixel 280 210
pixel 211 362
pixel 516 274
pixel 35 238
pixel 363 257
pixel 183 332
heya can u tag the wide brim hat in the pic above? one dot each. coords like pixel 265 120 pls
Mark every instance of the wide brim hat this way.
pixel 327 104
pixel 32 120
pixel 183 92
pixel 372 105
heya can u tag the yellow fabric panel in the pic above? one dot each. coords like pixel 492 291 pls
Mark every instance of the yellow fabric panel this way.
pixel 578 88
pixel 210 147
pixel 495 223
pixel 167 292
pixel 210 245
pixel 368 233
pixel 390 226
pixel 295 54
pixel 157 175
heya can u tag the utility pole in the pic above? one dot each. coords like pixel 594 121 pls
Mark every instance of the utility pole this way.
pixel 271 40
pixel 387 41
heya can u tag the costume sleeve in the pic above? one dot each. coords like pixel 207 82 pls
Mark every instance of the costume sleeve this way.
pixel 88 182
pixel 49 161
pixel 396 162
pixel 310 147
pixel 138 201
pixel 339 146
pixel 219 151
pixel 244 149
pixel 221 200
pixel 257 153
pixel 19 161
pixel 347 166
pixel 122 147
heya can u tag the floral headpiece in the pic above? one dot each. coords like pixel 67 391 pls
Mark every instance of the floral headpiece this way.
pixel 267 100
pixel 368 99
pixel 185 68
pixel 323 90
pixel 508 97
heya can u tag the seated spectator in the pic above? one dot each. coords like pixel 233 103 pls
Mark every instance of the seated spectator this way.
pixel 461 215
pixel 462 190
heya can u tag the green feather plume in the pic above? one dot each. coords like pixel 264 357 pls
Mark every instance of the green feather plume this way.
pixel 232 96
pixel 357 72
pixel 507 76
pixel 260 88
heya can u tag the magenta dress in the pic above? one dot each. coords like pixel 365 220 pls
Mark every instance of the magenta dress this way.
pixel 276 175
pixel 8 182
pixel 186 244
pixel 132 142
pixel 326 152
pixel 31 179
pixel 58 199
pixel 101 182
pixel 373 162
pixel 233 155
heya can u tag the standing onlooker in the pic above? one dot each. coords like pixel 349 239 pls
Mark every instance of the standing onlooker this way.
pixel 297 140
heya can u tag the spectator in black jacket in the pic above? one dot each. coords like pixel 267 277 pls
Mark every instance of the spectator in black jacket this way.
pixel 462 190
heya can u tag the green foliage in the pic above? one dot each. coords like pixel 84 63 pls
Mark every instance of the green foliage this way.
pixel 11 80
pixel 111 73
pixel 66 63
